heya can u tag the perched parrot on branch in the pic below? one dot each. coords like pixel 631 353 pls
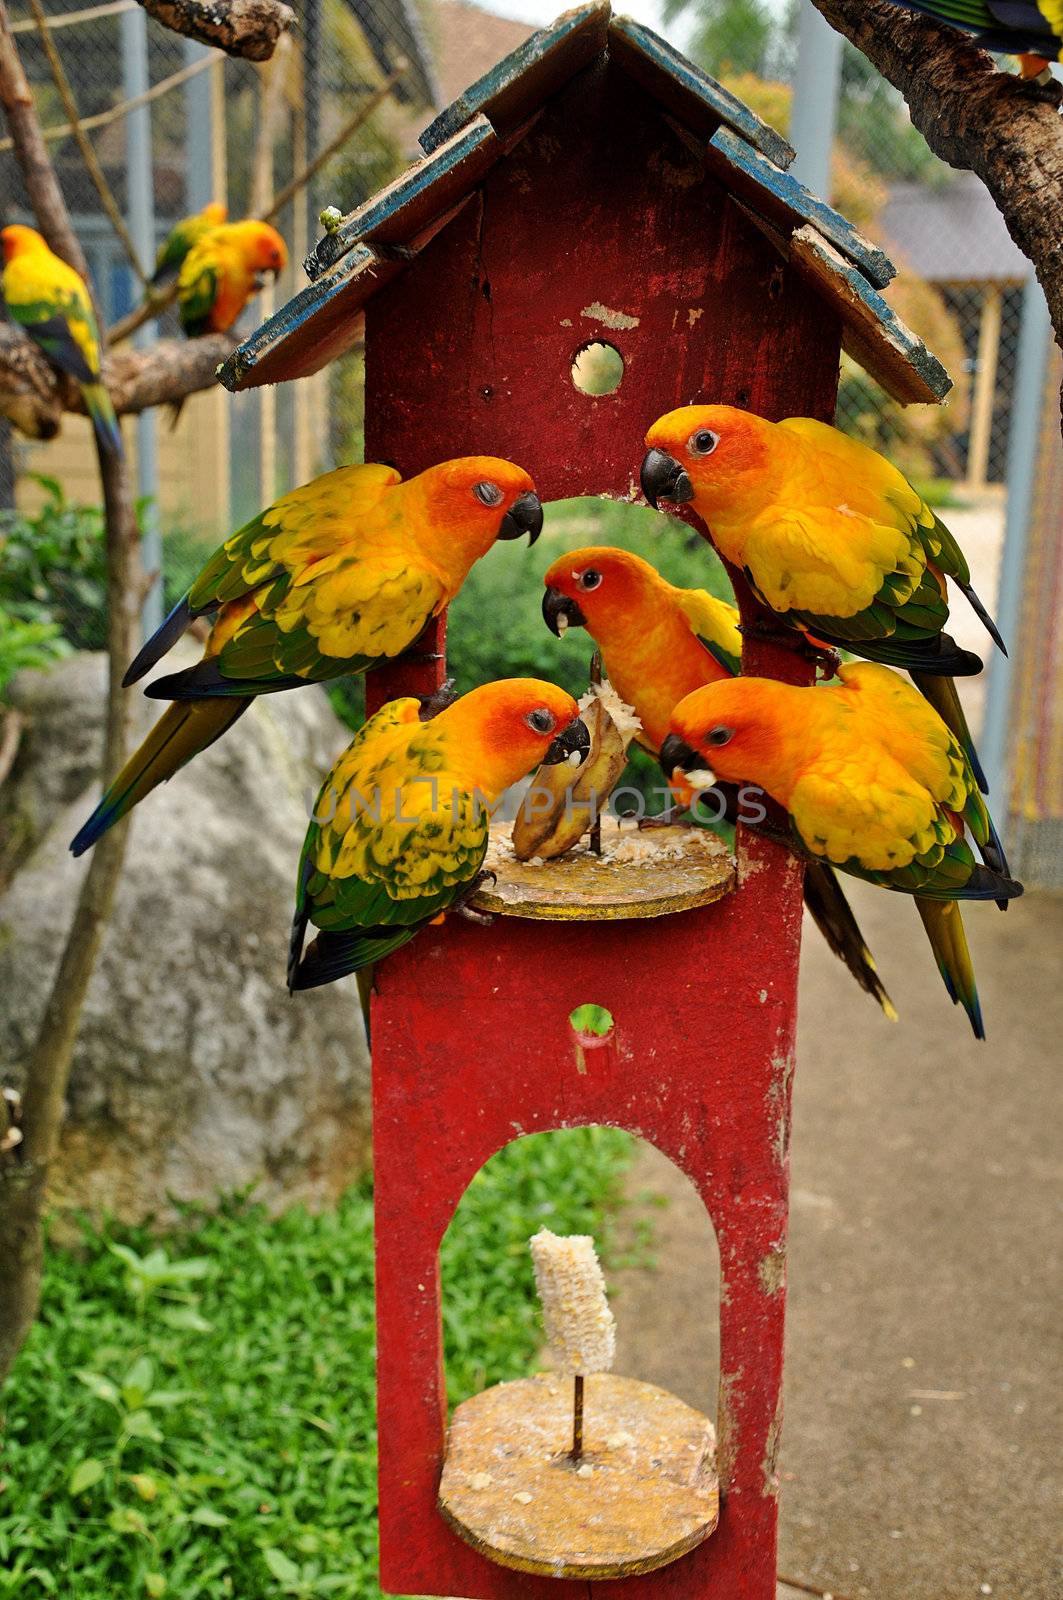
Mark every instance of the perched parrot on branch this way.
pixel 181 238
pixel 874 783
pixel 400 827
pixel 221 272
pixel 830 536
pixel 1029 29
pixel 332 579
pixel 658 645
pixel 48 299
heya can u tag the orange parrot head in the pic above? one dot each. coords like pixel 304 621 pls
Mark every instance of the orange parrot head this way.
pixel 708 455
pixel 460 507
pixel 17 240
pixel 505 729
pixel 597 588
pixel 214 213
pixel 260 247
pixel 741 729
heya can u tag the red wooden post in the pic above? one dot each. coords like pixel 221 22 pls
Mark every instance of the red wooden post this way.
pixel 601 223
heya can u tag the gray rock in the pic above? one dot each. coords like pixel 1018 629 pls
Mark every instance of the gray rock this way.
pixel 195 1073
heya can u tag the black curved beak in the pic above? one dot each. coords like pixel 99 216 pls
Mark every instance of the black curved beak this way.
pixel 559 612
pixel 662 478
pixel 524 516
pixel 573 740
pixel 675 753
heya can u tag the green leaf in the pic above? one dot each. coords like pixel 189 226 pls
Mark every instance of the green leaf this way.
pixel 85 1475
pixel 185 1319
pixel 155 1585
pixel 282 1567
pixel 126 1519
pixel 207 1517
pixel 100 1386
pixel 137 1382
pixel 141 1425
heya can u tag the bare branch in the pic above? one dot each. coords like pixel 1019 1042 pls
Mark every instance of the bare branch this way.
pixel 34 396
pixel 248 28
pixel 975 116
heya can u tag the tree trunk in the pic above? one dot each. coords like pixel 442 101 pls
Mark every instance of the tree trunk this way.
pixel 24 1169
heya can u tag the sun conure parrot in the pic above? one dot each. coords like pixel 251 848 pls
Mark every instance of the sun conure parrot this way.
pixel 830 536
pixel 179 241
pixel 658 644
pixel 330 580
pixel 400 826
pixel 874 783
pixel 47 298
pixel 221 272
pixel 1029 29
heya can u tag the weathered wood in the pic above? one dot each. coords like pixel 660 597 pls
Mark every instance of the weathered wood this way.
pixel 538 68
pixel 648 874
pixel 872 332
pixel 778 196
pixel 644 1494
pixel 408 204
pixel 693 97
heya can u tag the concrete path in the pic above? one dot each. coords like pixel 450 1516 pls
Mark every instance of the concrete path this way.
pixel 920 1455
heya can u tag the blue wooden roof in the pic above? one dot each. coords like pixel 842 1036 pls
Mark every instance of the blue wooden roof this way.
pixel 463 142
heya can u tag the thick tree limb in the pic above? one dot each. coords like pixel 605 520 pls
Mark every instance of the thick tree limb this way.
pixel 34 396
pixel 248 28
pixel 975 116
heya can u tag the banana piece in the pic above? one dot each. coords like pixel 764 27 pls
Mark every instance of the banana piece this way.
pixel 561 806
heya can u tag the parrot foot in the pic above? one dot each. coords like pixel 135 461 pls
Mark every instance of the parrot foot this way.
pixel 669 818
pixel 462 908
pixel 439 700
pixel 766 630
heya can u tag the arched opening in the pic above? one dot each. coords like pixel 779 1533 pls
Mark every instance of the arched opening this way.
pixel 658 1248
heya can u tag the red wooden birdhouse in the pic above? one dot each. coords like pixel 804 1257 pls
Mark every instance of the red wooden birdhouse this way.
pixel 594 187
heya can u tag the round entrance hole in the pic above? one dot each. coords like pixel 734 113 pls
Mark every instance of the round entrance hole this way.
pixel 597 368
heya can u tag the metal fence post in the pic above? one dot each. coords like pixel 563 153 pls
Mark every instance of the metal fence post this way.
pixel 1023 438
pixel 815 108
pixel 140 205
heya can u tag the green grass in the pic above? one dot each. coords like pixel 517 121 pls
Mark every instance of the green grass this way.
pixel 195 1418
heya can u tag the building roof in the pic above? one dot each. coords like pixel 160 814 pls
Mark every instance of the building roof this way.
pixel 488 119
pixel 952 234
pixel 393 33
pixel 469 41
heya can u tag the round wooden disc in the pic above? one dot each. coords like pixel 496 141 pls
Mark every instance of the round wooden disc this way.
pixel 644 1493
pixel 639 874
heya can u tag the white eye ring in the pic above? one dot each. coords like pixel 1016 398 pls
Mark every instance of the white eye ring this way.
pixel 719 735
pixel 540 720
pixel 488 494
pixel 703 442
pixel 590 579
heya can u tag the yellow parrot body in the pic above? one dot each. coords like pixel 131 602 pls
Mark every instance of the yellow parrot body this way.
pixel 332 579
pixel 50 301
pixel 874 783
pixel 400 827
pixel 221 272
pixel 181 238
pixel 829 534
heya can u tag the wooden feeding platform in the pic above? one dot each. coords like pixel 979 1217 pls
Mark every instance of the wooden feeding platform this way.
pixel 647 873
pixel 644 1492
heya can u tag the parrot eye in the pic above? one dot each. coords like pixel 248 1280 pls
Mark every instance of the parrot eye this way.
pixel 590 579
pixel 488 494
pixel 704 442
pixel 540 720
pixel 719 735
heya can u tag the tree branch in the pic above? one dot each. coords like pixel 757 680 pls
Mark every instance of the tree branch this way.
pixel 248 28
pixel 974 116
pixel 34 396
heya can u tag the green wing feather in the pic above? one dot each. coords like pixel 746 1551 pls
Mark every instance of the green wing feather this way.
pixel 198 295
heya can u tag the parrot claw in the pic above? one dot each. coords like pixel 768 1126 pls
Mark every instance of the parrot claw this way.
pixel 483 919
pixel 462 908
pixel 432 704
pixel 670 818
